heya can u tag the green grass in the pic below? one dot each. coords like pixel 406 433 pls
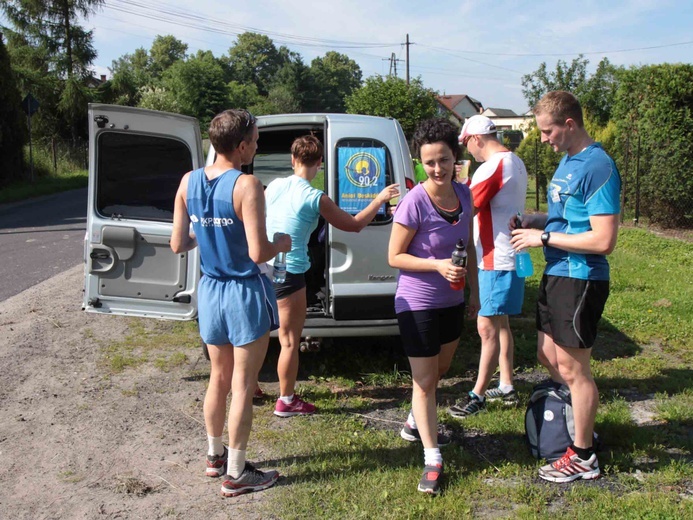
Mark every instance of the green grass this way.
pixel 43 186
pixel 349 462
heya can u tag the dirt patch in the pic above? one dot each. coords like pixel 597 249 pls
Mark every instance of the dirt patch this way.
pixel 79 443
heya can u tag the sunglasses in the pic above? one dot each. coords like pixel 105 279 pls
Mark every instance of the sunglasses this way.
pixel 250 119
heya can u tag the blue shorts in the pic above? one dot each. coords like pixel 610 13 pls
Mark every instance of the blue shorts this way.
pixel 236 310
pixel 500 292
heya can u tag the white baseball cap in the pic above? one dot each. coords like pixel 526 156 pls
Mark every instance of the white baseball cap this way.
pixel 477 125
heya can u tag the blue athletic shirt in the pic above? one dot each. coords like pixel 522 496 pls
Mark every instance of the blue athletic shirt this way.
pixel 586 184
pixel 293 207
pixel 220 234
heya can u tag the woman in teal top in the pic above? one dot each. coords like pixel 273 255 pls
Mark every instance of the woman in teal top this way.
pixel 293 207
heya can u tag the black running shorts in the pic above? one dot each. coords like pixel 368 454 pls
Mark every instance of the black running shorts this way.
pixel 569 309
pixel 423 332
pixel 292 284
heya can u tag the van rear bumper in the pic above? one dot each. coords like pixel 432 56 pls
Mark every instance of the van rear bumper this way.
pixel 330 328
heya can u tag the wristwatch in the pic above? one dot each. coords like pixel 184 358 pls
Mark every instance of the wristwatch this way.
pixel 545 236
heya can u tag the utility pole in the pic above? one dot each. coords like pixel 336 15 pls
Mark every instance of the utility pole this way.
pixel 393 64
pixel 407 44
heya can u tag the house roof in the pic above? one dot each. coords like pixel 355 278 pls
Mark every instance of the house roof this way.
pixel 500 112
pixel 450 101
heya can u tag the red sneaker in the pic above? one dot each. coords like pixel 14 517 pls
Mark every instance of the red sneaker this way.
pixel 570 467
pixel 297 407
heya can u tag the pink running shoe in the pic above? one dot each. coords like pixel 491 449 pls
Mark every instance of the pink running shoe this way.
pixel 297 407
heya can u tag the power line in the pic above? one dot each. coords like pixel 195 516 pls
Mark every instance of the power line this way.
pixel 634 49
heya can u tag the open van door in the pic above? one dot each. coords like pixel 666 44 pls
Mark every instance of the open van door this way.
pixel 136 160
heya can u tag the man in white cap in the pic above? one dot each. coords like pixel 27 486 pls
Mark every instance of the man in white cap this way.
pixel 499 187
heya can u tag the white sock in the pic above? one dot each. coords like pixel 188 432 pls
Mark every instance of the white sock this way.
pixel 505 388
pixel 236 463
pixel 432 457
pixel 216 446
pixel 411 421
pixel 287 399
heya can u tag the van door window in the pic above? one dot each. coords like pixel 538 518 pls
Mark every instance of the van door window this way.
pixel 364 169
pixel 138 175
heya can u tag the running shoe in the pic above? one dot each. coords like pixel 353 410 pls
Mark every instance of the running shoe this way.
pixel 216 464
pixel 470 405
pixel 250 480
pixel 297 407
pixel 412 435
pixel 258 394
pixel 496 394
pixel 570 467
pixel 430 480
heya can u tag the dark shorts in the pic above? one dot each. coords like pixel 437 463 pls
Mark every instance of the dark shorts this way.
pixel 292 284
pixel 568 309
pixel 423 332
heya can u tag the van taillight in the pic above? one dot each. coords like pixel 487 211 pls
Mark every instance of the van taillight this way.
pixel 408 183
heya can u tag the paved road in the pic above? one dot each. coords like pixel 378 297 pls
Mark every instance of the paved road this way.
pixel 40 238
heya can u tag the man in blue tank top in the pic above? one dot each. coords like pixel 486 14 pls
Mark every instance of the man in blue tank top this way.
pixel 236 303
pixel 579 231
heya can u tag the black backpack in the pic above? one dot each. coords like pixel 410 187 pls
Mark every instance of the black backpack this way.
pixel 549 426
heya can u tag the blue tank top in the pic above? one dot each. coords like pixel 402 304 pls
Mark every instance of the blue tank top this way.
pixel 220 234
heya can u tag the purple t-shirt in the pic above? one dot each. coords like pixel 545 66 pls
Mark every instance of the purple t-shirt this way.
pixel 434 238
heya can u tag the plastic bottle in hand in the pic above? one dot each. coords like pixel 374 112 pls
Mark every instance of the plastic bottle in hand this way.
pixel 523 262
pixel 459 258
pixel 279 268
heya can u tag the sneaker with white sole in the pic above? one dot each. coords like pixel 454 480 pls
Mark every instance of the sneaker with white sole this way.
pixel 571 467
pixel 216 464
pixel 431 478
pixel 497 395
pixel 297 407
pixel 250 480
pixel 470 405
pixel 412 435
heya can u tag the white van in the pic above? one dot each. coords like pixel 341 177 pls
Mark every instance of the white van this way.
pixel 136 160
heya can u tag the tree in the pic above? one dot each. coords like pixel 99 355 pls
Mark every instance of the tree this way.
pixel 540 159
pixel 59 53
pixel 12 132
pixel 198 87
pixel 654 116
pixel 165 51
pixel 596 93
pixel 392 97
pixel 130 74
pixel 566 77
pixel 255 59
pixel 335 77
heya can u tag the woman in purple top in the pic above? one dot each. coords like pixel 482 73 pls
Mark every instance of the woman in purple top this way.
pixel 428 222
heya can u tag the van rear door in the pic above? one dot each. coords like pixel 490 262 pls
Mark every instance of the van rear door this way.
pixel 136 160
pixel 365 154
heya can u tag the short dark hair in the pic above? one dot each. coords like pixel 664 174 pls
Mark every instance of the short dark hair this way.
pixel 436 130
pixel 229 128
pixel 560 105
pixel 307 149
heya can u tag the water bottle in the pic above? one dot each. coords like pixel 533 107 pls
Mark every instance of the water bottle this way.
pixel 279 268
pixel 459 258
pixel 523 262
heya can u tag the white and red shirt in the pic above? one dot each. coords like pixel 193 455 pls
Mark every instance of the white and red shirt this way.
pixel 499 187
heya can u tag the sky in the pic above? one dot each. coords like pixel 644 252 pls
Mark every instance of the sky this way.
pixel 474 47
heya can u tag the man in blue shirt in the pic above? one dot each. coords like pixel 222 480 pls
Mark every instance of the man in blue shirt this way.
pixel 578 232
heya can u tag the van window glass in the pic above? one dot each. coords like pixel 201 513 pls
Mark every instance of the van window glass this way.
pixel 364 169
pixel 138 175
pixel 273 159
